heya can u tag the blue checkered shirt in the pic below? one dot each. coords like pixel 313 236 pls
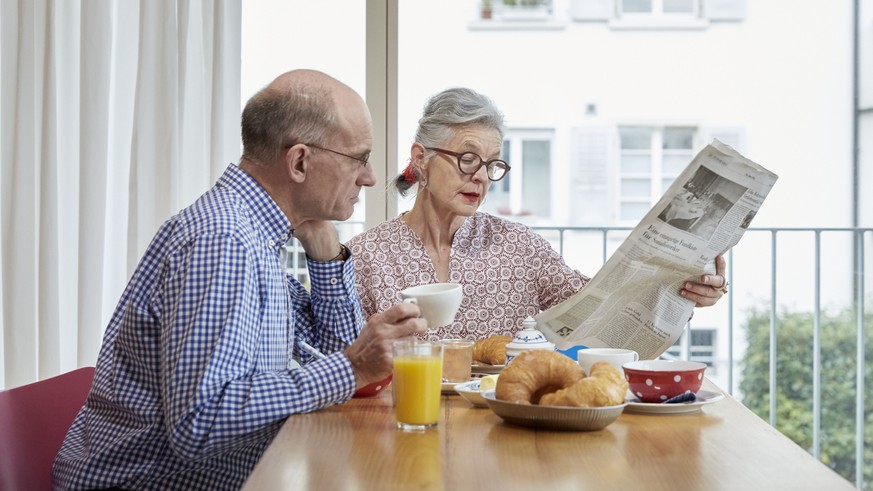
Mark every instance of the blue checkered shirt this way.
pixel 193 379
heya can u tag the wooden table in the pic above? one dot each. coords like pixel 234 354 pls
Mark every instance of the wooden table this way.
pixel 356 446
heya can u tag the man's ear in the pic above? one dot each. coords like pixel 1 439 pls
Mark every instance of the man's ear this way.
pixel 297 162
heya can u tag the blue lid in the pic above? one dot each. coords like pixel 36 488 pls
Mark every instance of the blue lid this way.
pixel 571 351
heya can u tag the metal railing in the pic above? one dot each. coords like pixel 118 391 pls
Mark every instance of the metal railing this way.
pixel 853 245
pixel 858 244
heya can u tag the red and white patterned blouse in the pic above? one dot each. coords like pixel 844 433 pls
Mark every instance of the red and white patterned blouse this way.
pixel 507 270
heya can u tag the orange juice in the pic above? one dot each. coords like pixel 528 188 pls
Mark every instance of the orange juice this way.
pixel 417 389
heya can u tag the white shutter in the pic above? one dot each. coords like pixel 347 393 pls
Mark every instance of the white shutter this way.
pixel 592 9
pixel 727 10
pixel 591 153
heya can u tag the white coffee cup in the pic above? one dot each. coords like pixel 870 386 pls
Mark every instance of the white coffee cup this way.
pixel 615 356
pixel 438 302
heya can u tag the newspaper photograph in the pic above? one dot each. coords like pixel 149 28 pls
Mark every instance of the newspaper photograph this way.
pixel 633 301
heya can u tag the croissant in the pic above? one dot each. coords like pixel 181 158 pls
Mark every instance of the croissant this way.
pixel 604 386
pixel 535 373
pixel 491 350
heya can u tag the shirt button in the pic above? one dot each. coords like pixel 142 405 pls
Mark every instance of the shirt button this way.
pixel 272 243
pixel 334 281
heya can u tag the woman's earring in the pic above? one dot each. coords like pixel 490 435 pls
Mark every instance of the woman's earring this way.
pixel 422 178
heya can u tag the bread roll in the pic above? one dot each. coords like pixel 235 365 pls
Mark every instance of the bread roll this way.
pixel 491 350
pixel 535 373
pixel 604 386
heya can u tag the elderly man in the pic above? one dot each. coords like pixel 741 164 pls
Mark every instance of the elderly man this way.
pixel 195 374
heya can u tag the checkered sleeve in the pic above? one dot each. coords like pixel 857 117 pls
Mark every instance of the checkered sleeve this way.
pixel 214 396
pixel 334 314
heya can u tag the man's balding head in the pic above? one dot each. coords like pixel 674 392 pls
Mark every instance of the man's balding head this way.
pixel 300 106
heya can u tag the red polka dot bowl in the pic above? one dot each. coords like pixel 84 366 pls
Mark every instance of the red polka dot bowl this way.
pixel 659 380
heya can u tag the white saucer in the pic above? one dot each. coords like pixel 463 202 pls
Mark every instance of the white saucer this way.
pixel 703 397
pixel 449 387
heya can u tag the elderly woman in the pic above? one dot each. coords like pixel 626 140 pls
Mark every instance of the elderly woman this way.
pixel 508 271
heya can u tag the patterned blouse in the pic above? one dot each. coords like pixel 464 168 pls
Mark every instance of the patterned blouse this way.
pixel 508 273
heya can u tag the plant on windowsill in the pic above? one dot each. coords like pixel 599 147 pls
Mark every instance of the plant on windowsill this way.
pixel 525 9
pixel 486 11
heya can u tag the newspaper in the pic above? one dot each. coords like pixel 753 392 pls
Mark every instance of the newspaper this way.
pixel 633 302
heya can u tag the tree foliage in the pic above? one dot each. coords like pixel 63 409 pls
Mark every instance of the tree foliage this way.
pixel 794 383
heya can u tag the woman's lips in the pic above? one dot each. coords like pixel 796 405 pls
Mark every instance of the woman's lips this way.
pixel 471 196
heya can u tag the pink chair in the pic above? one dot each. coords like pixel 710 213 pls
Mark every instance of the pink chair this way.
pixel 34 419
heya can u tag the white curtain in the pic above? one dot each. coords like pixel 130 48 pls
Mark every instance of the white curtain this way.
pixel 114 114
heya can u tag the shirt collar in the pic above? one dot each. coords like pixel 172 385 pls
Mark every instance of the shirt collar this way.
pixel 267 212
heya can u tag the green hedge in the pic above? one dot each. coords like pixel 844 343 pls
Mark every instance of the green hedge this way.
pixel 794 383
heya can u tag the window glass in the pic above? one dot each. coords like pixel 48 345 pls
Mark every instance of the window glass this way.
pixel 641 188
pixel 678 6
pixel 636 6
pixel 659 8
pixel 678 137
pixel 636 163
pixel 537 177
pixel 636 138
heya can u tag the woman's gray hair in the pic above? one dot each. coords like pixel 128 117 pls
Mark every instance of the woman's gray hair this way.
pixel 444 113
pixel 275 119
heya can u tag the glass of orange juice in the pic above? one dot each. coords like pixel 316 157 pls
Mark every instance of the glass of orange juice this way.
pixel 418 367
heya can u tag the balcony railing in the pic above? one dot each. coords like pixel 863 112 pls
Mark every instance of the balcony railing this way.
pixel 806 269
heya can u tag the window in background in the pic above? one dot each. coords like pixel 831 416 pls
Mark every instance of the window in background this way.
pixel 526 189
pixel 702 346
pixel 659 8
pixel 651 158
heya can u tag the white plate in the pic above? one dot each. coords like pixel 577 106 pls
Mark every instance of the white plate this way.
pixel 553 417
pixel 470 391
pixel 486 368
pixel 703 397
pixel 449 387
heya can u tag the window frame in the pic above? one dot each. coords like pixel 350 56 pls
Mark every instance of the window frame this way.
pixel 656 173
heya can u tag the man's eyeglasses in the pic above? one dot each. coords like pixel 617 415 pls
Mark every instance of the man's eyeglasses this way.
pixel 363 160
pixel 469 163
